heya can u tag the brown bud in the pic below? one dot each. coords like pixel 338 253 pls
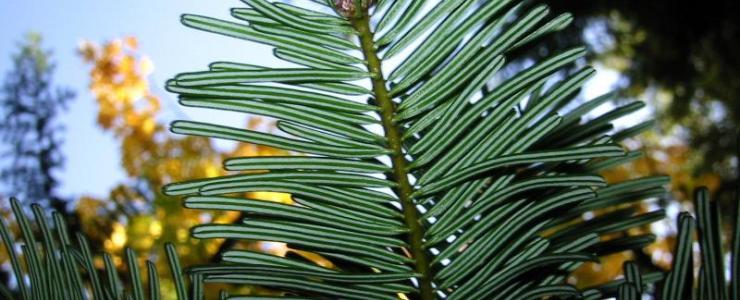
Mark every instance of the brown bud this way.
pixel 347 7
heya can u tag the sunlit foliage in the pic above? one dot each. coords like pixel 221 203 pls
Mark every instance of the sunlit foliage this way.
pixel 659 156
pixel 135 214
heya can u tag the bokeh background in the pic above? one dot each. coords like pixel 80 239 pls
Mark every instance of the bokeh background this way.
pixel 85 115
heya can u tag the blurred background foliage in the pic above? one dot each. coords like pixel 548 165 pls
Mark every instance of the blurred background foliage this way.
pixel 135 214
pixel 681 57
pixel 678 56
pixel 31 131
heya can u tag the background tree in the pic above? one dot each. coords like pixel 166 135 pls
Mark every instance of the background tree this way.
pixel 30 106
pixel 31 133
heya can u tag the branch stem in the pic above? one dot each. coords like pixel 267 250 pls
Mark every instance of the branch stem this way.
pixel 400 176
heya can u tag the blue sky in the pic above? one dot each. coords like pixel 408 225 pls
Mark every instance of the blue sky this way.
pixel 92 156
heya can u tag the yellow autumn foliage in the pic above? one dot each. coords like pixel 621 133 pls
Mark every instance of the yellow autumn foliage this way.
pixel 135 214
pixel 673 159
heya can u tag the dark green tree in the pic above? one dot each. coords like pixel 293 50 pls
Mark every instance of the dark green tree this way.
pixel 30 107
